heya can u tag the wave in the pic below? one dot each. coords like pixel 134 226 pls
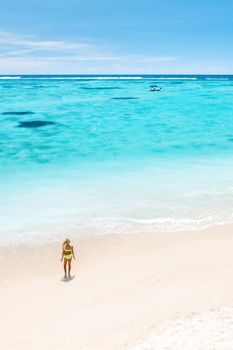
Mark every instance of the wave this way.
pixel 79 78
pixel 95 78
pixel 10 78
pixel 174 78
pixel 161 224
pixel 107 78
pixel 116 78
pixel 120 77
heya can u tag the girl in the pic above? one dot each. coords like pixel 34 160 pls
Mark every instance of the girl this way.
pixel 67 254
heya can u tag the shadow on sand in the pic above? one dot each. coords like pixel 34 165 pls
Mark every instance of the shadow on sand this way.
pixel 67 279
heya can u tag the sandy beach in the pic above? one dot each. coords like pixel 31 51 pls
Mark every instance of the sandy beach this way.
pixel 124 288
pixel 116 136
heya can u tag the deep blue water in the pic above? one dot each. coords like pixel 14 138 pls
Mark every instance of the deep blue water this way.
pixel 102 154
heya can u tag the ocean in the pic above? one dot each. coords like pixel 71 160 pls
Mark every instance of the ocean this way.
pixel 83 155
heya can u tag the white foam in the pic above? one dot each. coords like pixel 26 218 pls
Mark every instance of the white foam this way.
pixel 96 78
pixel 84 78
pixel 207 331
pixel 102 78
pixel 116 78
pixel 10 78
pixel 175 78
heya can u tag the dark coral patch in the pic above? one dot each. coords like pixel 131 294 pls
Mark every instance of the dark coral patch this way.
pixel 125 98
pixel 101 88
pixel 34 124
pixel 18 113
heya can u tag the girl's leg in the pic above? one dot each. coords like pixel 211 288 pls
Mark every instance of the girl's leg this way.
pixel 69 267
pixel 65 264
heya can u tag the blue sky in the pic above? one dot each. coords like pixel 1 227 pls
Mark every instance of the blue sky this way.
pixel 124 36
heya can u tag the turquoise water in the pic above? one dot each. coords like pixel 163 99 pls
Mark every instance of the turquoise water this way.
pixel 98 155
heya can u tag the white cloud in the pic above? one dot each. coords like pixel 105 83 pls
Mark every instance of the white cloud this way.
pixel 12 40
pixel 20 54
pixel 24 54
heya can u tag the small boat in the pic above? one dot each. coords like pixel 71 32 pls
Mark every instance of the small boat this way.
pixel 154 88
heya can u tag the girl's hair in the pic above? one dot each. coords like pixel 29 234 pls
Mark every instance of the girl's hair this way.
pixel 66 241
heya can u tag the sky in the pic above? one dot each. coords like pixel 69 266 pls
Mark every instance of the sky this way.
pixel 116 37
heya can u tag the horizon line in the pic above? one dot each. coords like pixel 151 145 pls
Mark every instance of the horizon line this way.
pixel 113 74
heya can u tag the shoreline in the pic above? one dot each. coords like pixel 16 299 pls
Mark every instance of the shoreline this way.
pixel 125 287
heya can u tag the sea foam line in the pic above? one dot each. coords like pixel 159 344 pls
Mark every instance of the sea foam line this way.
pixel 75 78
pixel 10 78
pixel 173 78
pixel 96 78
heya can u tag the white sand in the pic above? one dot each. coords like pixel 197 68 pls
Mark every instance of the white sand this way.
pixel 129 292
pixel 212 330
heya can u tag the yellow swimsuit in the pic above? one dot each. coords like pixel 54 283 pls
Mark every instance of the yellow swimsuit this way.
pixel 68 255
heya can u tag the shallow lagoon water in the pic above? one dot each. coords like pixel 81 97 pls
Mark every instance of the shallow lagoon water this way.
pixel 104 155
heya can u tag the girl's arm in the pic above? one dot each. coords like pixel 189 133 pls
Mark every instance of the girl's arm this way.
pixel 62 255
pixel 73 253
